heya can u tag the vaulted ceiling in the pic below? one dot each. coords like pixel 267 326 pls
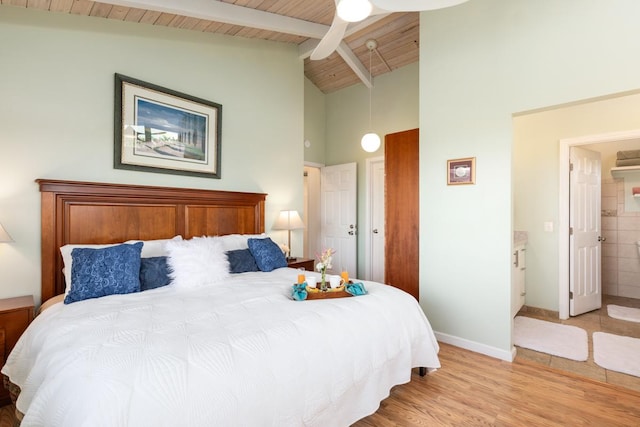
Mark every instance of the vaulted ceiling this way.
pixel 301 22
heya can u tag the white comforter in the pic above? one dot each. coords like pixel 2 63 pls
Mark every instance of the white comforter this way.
pixel 240 353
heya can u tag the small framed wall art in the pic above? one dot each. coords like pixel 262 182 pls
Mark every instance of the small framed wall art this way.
pixel 461 171
pixel 162 130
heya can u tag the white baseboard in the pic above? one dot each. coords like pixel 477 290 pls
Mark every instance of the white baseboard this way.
pixel 477 347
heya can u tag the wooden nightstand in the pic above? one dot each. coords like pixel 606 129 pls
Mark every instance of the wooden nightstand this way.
pixel 15 315
pixel 306 263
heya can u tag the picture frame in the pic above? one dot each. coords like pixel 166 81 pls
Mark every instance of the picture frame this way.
pixel 164 131
pixel 461 171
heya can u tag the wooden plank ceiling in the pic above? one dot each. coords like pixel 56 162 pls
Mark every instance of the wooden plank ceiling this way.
pixel 397 34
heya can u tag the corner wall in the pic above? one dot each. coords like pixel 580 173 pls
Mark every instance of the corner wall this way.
pixel 480 62
pixel 57 112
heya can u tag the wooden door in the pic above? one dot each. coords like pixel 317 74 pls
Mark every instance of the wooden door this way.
pixel 402 213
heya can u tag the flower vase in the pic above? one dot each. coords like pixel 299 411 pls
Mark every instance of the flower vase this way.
pixel 323 280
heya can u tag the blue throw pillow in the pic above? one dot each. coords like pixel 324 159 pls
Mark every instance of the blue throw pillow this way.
pixel 241 261
pixel 267 254
pixel 99 272
pixel 154 273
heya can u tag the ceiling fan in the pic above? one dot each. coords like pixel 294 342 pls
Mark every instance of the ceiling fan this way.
pixel 348 11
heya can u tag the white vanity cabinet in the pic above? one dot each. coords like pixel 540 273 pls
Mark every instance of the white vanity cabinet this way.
pixel 518 289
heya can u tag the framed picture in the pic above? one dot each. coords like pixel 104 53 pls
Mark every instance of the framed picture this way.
pixel 161 130
pixel 461 171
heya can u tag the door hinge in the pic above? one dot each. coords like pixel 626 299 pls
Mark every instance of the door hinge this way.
pixel 570 167
pixel 570 295
pixel 570 231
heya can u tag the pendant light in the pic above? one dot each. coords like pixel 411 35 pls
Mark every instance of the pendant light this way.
pixel 371 141
pixel 353 10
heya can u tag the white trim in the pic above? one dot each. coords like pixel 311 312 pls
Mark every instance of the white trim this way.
pixel 476 347
pixel 314 165
pixel 563 207
pixel 369 211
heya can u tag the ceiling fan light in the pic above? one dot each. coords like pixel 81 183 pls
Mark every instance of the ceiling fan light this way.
pixel 370 142
pixel 354 10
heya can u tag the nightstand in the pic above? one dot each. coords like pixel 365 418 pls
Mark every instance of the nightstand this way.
pixel 304 263
pixel 15 315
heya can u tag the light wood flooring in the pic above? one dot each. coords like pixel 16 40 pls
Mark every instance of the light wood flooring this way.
pixel 594 321
pixel 476 390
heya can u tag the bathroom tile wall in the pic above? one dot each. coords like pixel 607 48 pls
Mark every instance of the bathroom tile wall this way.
pixel 620 259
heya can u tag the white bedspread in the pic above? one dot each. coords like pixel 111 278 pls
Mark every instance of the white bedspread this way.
pixel 237 354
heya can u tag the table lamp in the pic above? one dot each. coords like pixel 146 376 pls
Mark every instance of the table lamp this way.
pixel 289 220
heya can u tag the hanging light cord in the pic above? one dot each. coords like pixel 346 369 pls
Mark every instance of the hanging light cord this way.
pixel 370 88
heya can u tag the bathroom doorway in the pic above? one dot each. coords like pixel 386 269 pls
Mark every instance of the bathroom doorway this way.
pixel 620 265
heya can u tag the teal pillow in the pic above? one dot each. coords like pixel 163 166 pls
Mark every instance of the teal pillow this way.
pixel 100 272
pixel 267 254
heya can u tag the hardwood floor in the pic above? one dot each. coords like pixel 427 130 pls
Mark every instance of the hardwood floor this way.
pixel 476 390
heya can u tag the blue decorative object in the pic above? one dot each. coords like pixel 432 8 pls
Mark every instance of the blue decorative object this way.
pixel 299 292
pixel 241 261
pixel 267 254
pixel 356 289
pixel 99 272
pixel 154 273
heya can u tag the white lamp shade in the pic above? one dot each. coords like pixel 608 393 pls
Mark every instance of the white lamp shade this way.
pixel 4 236
pixel 288 220
pixel 370 142
pixel 354 10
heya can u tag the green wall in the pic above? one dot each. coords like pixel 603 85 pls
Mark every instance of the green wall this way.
pixel 480 62
pixel 56 114
pixel 394 109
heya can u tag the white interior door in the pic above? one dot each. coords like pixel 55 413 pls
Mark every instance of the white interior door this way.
pixel 376 213
pixel 338 215
pixel 585 273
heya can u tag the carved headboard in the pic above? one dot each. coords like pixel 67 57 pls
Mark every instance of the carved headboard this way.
pixel 89 212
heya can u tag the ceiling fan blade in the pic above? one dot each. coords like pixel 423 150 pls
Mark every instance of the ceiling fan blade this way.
pixel 414 5
pixel 331 40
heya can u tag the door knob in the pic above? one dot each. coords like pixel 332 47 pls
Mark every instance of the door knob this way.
pixel 375 231
pixel 601 239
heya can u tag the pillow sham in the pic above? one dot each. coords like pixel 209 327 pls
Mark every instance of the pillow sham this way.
pixel 196 262
pixel 154 272
pixel 151 248
pixel 107 271
pixel 267 254
pixel 241 261
pixel 154 248
pixel 232 242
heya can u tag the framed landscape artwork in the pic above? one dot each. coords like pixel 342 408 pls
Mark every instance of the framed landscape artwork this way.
pixel 161 130
pixel 461 171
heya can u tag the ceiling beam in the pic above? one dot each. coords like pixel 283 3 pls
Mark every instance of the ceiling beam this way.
pixel 230 14
pixel 247 17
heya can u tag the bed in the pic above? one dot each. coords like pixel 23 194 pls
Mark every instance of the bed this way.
pixel 233 351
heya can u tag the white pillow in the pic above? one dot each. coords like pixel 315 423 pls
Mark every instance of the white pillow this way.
pixel 197 262
pixel 151 248
pixel 154 248
pixel 232 242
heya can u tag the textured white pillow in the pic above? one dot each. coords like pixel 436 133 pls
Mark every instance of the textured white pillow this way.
pixel 232 242
pixel 197 262
pixel 153 248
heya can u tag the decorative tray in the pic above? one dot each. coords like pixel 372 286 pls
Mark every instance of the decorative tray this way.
pixel 339 292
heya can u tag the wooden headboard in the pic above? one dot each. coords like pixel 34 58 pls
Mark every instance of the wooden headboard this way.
pixel 92 213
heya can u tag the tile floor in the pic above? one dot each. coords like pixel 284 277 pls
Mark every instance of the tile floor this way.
pixel 594 321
